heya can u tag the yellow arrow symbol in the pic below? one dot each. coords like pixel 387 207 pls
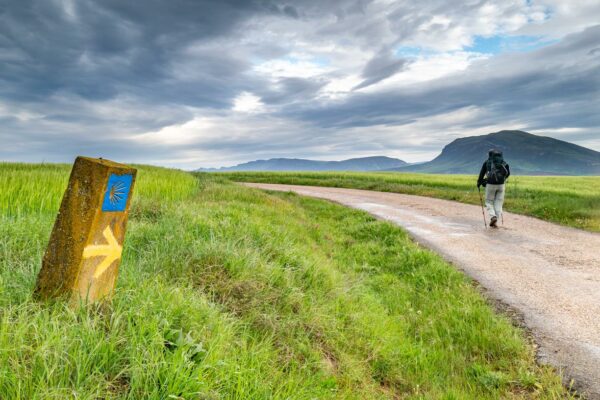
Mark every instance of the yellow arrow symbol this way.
pixel 110 251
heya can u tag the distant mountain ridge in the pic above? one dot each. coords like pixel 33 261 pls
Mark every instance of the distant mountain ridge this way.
pixel 526 154
pixel 376 163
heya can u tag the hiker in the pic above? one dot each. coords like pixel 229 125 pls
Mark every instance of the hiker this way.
pixel 492 176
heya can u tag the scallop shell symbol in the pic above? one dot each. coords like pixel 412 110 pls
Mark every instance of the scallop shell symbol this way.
pixel 117 193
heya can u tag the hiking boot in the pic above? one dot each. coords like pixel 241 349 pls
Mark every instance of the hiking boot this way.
pixel 493 222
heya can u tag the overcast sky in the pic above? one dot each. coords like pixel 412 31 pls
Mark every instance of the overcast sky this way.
pixel 213 83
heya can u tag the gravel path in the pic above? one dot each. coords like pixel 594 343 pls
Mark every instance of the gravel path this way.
pixel 548 273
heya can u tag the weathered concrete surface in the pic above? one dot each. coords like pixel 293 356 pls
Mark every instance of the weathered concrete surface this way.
pixel 549 273
pixel 84 251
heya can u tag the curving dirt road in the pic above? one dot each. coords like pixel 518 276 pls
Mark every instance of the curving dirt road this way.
pixel 548 273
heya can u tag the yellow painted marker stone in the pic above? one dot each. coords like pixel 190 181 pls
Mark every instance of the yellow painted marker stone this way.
pixel 84 252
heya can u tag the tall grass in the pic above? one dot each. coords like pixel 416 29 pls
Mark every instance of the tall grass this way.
pixel 230 293
pixel 572 201
pixel 38 188
pixel 31 188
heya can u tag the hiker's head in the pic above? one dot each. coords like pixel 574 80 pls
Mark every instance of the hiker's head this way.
pixel 494 152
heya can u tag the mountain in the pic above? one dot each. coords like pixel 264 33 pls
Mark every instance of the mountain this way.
pixel 526 154
pixel 297 164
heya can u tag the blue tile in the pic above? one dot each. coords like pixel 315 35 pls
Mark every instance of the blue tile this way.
pixel 117 192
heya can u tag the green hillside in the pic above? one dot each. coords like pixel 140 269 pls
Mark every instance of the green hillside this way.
pixel 567 200
pixel 231 293
pixel 526 153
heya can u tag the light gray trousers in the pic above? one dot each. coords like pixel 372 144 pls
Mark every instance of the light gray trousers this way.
pixel 494 198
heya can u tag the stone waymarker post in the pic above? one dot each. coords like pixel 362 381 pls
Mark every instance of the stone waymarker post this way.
pixel 84 252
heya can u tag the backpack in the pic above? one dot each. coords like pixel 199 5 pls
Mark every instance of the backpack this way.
pixel 496 169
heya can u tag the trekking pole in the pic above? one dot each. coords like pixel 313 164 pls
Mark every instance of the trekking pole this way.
pixel 482 211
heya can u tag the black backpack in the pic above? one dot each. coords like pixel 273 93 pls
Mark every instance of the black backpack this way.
pixel 496 169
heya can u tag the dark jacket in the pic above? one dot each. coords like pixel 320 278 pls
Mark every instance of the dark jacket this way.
pixel 492 179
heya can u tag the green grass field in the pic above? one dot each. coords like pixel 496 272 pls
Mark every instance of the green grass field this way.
pixel 227 292
pixel 572 201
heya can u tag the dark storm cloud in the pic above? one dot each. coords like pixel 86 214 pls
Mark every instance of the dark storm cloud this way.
pixel 97 49
pixel 565 75
pixel 104 77
pixel 380 67
pixel 290 90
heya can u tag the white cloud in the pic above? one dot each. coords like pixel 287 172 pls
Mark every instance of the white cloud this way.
pixel 430 67
pixel 562 17
pixel 290 67
pixel 248 103
pixel 338 88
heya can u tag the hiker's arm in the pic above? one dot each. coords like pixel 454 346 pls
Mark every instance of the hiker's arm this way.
pixel 481 175
pixel 507 171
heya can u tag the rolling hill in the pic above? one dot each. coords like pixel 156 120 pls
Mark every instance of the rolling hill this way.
pixel 527 154
pixel 298 164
